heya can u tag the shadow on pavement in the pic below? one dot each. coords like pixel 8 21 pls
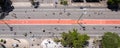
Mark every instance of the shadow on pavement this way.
pixel 113 7
pixel 5 7
pixel 2 15
pixel 2 46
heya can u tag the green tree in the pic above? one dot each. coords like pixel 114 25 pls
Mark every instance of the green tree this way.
pixel 110 40
pixel 74 39
pixel 113 2
pixel 114 5
pixel 64 2
pixel 1 40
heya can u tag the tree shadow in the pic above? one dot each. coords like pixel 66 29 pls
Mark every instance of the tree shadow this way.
pixel 2 15
pixel 77 0
pixel 93 0
pixel 114 7
pixel 85 44
pixel 3 46
pixel 6 7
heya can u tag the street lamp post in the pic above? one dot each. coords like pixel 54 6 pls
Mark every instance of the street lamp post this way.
pixel 81 17
pixel 11 28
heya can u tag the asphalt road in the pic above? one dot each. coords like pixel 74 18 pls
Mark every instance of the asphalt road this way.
pixel 37 30
pixel 60 13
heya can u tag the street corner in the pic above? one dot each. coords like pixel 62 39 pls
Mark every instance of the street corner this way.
pixel 13 43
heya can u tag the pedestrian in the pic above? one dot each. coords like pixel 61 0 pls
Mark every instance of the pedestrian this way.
pixel 14 33
pixel 64 10
pixel 94 12
pixel 42 0
pixel 38 44
pixel 56 2
pixel 32 45
pixel 115 26
pixel 33 10
pixel 55 6
pixel 84 28
pixel 118 27
pixel 53 13
pixel 45 14
pixel 28 17
pixel 101 12
pixel 103 28
pixel 11 28
pixel 25 11
pixel 94 28
pixel 3 29
pixel 89 15
pixel 59 20
pixel 33 36
pixel 80 28
pixel 98 13
pixel 55 28
pixel 43 30
pixel 60 13
pixel 25 34
pixel 68 14
pixel 49 32
pixel 30 32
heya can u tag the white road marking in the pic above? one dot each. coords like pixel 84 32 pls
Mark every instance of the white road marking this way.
pixel 61 19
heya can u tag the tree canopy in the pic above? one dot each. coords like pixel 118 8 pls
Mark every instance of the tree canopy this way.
pixel 113 5
pixel 110 40
pixel 74 39
pixel 1 2
pixel 64 2
pixel 113 2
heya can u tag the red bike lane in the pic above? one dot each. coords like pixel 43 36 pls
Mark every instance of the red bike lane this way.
pixel 61 21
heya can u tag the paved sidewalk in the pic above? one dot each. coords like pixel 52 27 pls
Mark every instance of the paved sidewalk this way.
pixel 28 4
pixel 20 0
pixel 22 43
pixel 49 43
pixel 47 5
pixel 21 4
pixel 89 4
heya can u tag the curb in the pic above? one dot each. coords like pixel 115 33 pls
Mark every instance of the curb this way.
pixel 21 4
